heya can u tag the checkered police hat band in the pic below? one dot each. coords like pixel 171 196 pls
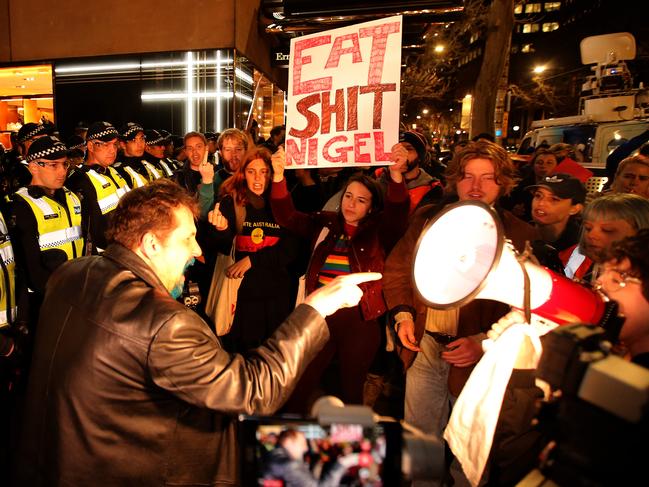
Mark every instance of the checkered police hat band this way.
pixel 57 148
pixel 103 133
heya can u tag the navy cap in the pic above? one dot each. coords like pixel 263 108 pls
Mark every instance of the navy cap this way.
pixel 47 147
pixel 103 131
pixel 29 131
pixel 130 130
pixel 153 137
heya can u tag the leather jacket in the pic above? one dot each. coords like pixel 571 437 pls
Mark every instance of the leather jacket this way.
pixel 129 387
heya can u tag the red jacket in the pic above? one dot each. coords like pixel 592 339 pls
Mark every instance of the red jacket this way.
pixel 368 247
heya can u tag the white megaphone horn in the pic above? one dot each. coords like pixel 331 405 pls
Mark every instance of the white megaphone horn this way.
pixel 462 255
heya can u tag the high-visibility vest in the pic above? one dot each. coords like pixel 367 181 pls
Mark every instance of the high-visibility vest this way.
pixel 153 171
pixel 108 192
pixel 8 308
pixel 168 172
pixel 58 227
pixel 137 180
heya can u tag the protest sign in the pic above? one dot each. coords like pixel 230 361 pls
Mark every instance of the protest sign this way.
pixel 343 96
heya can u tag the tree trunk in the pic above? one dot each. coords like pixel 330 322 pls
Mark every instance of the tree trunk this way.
pixel 500 24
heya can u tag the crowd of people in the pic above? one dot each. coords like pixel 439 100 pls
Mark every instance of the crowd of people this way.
pixel 81 338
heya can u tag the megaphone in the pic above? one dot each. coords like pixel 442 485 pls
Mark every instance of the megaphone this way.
pixel 462 255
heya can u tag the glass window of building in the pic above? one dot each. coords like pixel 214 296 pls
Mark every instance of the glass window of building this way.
pixel 527 48
pixel 550 26
pixel 532 8
pixel 25 96
pixel 529 28
pixel 518 8
pixel 208 90
pixel 550 6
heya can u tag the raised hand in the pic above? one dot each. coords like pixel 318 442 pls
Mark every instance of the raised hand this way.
pixel 278 160
pixel 206 169
pixel 216 218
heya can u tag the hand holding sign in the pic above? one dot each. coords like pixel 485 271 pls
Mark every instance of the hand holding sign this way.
pixel 216 218
pixel 278 160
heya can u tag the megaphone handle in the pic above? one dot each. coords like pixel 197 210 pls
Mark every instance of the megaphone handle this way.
pixel 521 258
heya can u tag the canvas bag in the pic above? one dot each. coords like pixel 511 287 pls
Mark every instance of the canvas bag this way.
pixel 301 286
pixel 221 302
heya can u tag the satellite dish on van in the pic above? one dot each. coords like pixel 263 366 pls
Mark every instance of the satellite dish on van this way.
pixel 607 48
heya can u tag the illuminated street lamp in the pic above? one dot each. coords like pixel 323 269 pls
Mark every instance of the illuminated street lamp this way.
pixel 538 69
pixel 439 48
pixel 425 111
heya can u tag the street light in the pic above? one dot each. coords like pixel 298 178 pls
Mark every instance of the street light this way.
pixel 425 111
pixel 516 128
pixel 439 48
pixel 539 69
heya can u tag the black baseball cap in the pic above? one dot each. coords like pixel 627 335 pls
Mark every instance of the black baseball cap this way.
pixel 563 186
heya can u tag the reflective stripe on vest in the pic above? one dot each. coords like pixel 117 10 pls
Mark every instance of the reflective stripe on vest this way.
pixel 137 179
pixel 152 170
pixel 55 231
pixel 7 256
pixel 108 194
pixel 166 168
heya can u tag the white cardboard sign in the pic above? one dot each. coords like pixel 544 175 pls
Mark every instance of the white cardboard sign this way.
pixel 343 96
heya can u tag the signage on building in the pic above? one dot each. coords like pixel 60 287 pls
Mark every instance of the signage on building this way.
pixel 343 95
pixel 279 57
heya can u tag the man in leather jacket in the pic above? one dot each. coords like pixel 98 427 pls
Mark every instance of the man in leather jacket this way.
pixel 129 387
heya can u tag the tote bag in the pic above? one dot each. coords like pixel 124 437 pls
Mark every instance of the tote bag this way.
pixel 301 285
pixel 222 298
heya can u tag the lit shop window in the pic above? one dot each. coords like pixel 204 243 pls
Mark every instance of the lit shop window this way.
pixel 550 26
pixel 532 8
pixel 529 28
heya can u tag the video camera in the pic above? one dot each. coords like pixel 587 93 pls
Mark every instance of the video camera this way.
pixel 191 296
pixel 390 453
pixel 597 421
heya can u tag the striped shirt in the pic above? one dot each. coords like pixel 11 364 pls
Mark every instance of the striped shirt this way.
pixel 337 262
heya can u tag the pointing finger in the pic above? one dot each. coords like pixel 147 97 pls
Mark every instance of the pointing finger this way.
pixel 360 277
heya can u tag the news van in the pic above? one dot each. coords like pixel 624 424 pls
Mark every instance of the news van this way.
pixel 611 110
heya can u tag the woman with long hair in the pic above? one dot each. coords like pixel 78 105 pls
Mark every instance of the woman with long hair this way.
pixel 263 251
pixel 356 238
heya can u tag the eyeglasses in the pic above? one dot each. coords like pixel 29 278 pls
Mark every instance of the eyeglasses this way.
pixel 54 165
pixel 611 280
pixel 104 145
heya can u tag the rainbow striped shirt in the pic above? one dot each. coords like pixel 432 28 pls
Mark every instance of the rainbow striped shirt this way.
pixel 337 262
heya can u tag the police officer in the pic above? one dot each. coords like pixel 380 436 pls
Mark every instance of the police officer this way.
pixel 7 289
pixel 7 344
pixel 155 152
pixel 46 220
pixel 17 173
pixel 131 164
pixel 98 184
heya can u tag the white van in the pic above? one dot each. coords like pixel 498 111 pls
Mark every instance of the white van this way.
pixel 593 141
pixel 611 110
